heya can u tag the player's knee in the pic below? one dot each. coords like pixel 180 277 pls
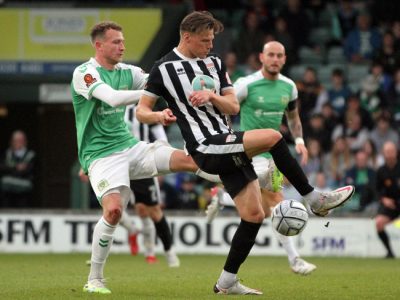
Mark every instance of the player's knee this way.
pixel 380 223
pixel 256 216
pixel 113 214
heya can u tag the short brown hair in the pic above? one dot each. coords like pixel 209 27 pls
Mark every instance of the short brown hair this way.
pixel 100 29
pixel 199 21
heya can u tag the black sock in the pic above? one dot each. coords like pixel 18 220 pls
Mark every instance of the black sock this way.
pixel 164 233
pixel 385 240
pixel 290 167
pixel 242 242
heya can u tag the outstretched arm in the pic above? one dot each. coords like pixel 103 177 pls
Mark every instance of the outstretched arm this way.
pixel 145 113
pixel 296 129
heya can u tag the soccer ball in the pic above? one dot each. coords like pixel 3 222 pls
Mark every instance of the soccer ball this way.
pixel 289 217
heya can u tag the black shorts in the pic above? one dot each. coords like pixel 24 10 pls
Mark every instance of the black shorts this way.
pixel 390 213
pixel 146 191
pixel 223 154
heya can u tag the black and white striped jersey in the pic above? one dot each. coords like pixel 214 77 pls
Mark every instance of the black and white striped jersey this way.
pixel 171 77
pixel 143 132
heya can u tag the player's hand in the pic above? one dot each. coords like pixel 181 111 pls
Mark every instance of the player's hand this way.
pixel 302 150
pixel 199 98
pixel 82 176
pixel 167 117
pixel 388 202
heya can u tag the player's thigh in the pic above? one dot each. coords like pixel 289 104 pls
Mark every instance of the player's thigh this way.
pixel 258 141
pixel 150 159
pixel 109 173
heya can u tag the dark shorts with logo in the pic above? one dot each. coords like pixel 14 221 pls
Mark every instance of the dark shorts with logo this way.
pixel 145 191
pixel 234 168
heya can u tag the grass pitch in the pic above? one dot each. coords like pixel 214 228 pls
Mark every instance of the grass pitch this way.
pixel 46 276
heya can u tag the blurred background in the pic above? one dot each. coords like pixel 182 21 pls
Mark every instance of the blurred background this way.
pixel 343 55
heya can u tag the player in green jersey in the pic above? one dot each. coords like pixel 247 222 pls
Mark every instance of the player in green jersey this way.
pixel 265 96
pixel 107 151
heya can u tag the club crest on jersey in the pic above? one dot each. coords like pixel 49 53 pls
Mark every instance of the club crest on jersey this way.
pixel 211 67
pixel 89 80
pixel 285 99
pixel 230 138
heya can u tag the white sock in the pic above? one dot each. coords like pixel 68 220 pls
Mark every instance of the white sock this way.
pixel 310 197
pixel 226 279
pixel 288 244
pixel 128 223
pixel 227 200
pixel 207 176
pixel 101 244
pixel 149 235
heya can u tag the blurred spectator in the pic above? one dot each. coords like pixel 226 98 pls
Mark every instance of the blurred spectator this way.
pixel 298 22
pixel 388 189
pixel 17 172
pixel 383 133
pixel 338 161
pixel 339 92
pixel 330 121
pixel 282 35
pixel 373 88
pixel 355 133
pixel 363 178
pixel 396 33
pixel 314 164
pixel 253 64
pixel 169 195
pixel 387 55
pixel 315 129
pixel 362 42
pixel 263 12
pixel 315 7
pixel 346 16
pixel 250 38
pixel 354 107
pixel 393 98
pixel 187 194
pixel 311 92
pixel 232 68
pixel 375 159
pixel 321 183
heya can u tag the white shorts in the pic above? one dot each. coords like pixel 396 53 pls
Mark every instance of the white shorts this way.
pixel 115 171
pixel 261 165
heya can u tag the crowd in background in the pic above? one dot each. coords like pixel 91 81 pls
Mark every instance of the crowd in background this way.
pixel 345 59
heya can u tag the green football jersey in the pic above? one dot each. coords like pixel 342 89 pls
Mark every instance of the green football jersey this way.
pixel 101 129
pixel 263 102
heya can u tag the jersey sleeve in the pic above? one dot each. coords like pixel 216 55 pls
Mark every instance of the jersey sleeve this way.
pixel 295 93
pixel 154 87
pixel 225 81
pixel 241 89
pixel 139 78
pixel 85 79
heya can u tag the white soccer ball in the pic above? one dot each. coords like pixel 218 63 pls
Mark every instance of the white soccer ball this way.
pixel 289 217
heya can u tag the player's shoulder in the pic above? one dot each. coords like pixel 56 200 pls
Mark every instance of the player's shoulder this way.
pixel 169 57
pixel 85 67
pixel 214 55
pixel 248 79
pixel 286 79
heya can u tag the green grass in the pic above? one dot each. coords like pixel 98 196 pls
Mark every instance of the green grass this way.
pixel 48 276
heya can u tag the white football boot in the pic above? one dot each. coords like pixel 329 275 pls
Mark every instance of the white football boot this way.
pixel 236 289
pixel 302 267
pixel 323 202
pixel 97 286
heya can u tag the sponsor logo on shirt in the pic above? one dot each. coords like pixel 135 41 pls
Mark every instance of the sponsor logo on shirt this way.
pixel 102 111
pixel 89 80
pixel 211 67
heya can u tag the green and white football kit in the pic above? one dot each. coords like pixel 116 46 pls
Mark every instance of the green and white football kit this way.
pixel 106 148
pixel 263 103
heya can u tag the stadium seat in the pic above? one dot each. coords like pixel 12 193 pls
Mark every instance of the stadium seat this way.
pixel 320 36
pixel 309 57
pixel 356 73
pixel 336 56
pixel 296 72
